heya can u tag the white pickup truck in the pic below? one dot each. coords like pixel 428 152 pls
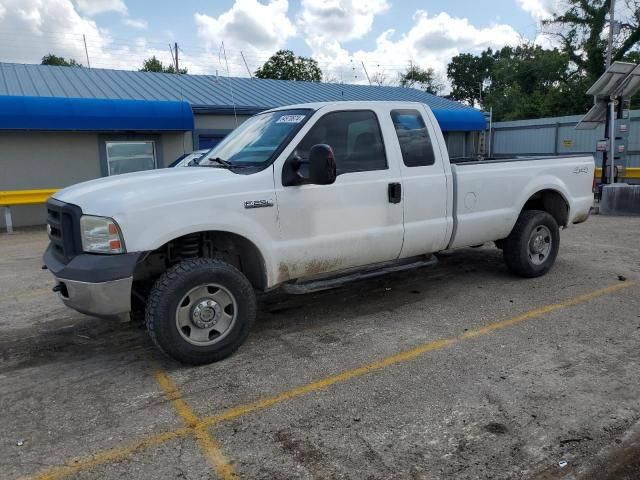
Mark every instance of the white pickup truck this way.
pixel 301 197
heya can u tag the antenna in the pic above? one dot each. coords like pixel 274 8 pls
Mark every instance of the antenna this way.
pixel 365 72
pixel 245 64
pixel 235 116
pixel 86 52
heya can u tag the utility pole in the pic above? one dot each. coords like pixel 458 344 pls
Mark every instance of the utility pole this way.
pixel 612 22
pixel 612 100
pixel 173 59
pixel 175 49
pixel 86 52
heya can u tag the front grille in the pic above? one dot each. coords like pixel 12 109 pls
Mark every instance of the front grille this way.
pixel 63 221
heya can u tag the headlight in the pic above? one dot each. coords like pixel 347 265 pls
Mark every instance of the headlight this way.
pixel 100 235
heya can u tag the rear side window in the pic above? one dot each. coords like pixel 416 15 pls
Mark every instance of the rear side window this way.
pixel 355 138
pixel 413 136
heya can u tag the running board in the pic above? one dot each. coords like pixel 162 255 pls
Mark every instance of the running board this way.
pixel 299 288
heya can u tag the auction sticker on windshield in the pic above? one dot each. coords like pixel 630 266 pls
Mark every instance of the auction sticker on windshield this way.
pixel 290 119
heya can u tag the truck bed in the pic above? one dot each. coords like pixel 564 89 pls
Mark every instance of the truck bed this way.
pixel 489 194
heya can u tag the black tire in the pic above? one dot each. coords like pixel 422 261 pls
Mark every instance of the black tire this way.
pixel 174 285
pixel 518 250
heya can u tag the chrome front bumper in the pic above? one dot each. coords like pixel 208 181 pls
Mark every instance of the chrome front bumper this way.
pixel 98 285
pixel 103 299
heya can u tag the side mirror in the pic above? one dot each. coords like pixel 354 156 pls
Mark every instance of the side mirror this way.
pixel 322 165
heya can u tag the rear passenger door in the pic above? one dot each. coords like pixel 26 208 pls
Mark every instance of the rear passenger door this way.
pixel 352 222
pixel 424 183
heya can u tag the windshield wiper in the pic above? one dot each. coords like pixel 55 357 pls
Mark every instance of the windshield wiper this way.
pixel 222 162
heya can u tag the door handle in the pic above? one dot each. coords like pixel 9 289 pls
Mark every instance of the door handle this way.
pixel 395 192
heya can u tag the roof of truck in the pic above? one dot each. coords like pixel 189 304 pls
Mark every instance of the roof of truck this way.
pixel 448 119
pixel 319 105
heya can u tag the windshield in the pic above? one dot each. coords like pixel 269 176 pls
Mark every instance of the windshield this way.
pixel 254 142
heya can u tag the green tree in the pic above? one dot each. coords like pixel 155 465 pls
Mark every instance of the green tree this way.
pixel 583 30
pixel 529 81
pixel 467 74
pixel 285 65
pixel 424 79
pixel 154 65
pixel 51 59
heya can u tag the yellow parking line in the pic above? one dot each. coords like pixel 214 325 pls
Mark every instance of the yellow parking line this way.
pixel 210 448
pixel 405 356
pixel 171 390
pixel 108 456
pixel 214 454
pixel 157 439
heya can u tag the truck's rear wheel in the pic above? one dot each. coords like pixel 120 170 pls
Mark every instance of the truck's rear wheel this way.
pixel 532 246
pixel 200 310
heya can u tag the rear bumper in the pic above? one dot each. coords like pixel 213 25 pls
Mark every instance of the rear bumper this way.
pixel 98 285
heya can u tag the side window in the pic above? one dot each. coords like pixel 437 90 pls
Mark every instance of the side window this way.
pixel 355 138
pixel 413 136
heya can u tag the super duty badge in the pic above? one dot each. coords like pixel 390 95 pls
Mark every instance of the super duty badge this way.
pixel 258 203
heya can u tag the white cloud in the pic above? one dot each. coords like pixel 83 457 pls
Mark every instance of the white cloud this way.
pixel 138 23
pixel 258 29
pixel 429 43
pixel 39 27
pixel 539 9
pixel 248 24
pixel 95 7
pixel 339 19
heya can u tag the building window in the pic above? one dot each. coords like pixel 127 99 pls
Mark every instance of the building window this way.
pixel 126 157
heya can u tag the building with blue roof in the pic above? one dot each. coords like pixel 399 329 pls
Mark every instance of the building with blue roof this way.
pixel 63 125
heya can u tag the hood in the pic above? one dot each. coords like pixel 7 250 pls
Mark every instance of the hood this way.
pixel 110 196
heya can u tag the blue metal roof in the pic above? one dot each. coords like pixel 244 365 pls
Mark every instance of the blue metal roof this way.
pixel 91 114
pixel 207 93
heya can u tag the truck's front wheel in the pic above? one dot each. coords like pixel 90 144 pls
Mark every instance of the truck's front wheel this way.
pixel 200 310
pixel 532 246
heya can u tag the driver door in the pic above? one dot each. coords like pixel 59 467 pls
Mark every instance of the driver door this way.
pixel 351 223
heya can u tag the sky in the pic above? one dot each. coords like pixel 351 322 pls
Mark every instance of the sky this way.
pixel 349 38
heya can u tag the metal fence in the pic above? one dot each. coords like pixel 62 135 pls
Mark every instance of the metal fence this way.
pixel 558 136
